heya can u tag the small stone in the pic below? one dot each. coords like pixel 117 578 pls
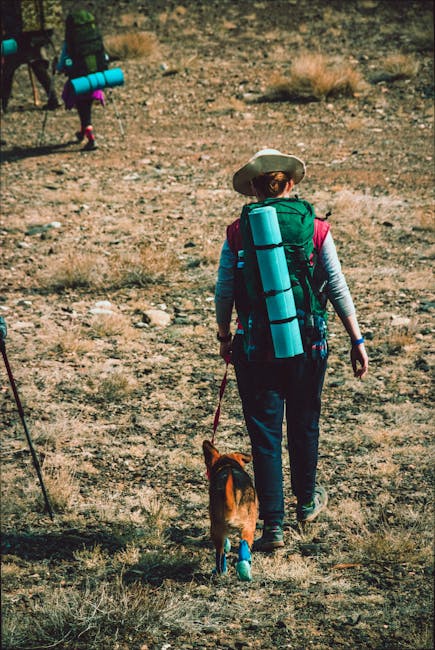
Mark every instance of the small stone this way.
pixel 157 317
pixel 103 304
pixel 400 321
pixel 97 311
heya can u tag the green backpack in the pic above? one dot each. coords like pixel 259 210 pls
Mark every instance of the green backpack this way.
pixel 84 44
pixel 296 222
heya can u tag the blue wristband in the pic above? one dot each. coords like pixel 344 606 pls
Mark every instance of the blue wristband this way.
pixel 358 342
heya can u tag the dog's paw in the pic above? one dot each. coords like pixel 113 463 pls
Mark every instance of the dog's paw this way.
pixel 227 545
pixel 218 574
pixel 244 570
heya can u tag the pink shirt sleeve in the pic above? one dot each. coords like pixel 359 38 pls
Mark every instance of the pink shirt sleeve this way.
pixel 321 229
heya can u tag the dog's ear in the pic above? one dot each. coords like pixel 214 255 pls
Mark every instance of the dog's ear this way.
pixel 211 454
pixel 242 458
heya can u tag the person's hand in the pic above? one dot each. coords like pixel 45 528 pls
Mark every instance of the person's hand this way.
pixel 225 351
pixel 359 360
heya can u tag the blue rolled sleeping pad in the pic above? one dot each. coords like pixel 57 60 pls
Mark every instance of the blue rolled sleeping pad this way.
pixel 98 81
pixel 280 303
pixel 9 46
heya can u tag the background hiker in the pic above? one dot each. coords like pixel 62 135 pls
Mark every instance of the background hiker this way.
pixel 82 54
pixel 268 386
pixel 32 25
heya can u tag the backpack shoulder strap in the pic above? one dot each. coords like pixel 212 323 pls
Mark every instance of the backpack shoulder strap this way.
pixel 234 236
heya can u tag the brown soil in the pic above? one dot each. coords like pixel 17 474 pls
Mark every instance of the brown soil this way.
pixel 118 407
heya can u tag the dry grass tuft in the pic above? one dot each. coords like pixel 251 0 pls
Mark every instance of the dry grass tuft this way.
pixel 74 271
pixel 392 545
pixel 401 64
pixel 301 571
pixel 315 77
pixel 110 325
pixel 62 486
pixel 92 559
pixel 87 618
pixel 148 265
pixel 132 45
pixel 70 341
pixel 116 386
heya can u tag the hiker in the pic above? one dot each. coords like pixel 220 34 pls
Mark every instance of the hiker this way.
pixel 268 386
pixel 20 22
pixel 82 54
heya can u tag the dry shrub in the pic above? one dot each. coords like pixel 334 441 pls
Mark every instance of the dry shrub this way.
pixel 110 325
pixel 424 218
pixel 92 559
pixel 128 556
pixel 144 510
pixel 401 66
pixel 86 619
pixel 301 571
pixel 147 265
pixel 153 516
pixel 70 341
pixel 62 486
pixel 392 545
pixel 397 342
pixel 315 77
pixel 59 433
pixel 74 271
pixel 114 387
pixel 132 45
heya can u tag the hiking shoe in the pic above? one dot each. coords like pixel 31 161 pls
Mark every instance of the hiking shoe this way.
pixel 271 539
pixel 52 104
pixel 80 136
pixel 90 145
pixel 309 511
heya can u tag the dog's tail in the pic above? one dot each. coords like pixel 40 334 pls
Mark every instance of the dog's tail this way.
pixel 229 492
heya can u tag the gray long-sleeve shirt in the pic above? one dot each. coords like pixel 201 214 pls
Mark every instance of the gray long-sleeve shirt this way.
pixel 338 291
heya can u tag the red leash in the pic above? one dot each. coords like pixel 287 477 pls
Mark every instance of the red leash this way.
pixel 218 410
pixel 221 394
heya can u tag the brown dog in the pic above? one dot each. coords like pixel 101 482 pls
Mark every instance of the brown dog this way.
pixel 233 506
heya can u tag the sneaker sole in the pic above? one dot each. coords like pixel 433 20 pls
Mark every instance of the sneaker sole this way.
pixel 314 515
pixel 271 546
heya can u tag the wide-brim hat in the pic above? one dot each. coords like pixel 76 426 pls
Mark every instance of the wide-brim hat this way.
pixel 263 162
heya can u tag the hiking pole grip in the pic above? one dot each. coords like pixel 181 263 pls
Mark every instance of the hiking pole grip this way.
pixel 36 464
pixel 3 329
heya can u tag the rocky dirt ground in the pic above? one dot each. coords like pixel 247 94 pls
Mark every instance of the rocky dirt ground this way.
pixel 108 268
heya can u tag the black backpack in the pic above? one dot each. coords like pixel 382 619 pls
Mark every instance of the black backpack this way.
pixel 84 44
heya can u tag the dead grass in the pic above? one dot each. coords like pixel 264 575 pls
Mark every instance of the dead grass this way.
pixel 86 619
pixel 317 77
pixel 132 45
pixel 148 264
pixel 116 386
pixel 107 325
pixel 401 65
pixel 61 483
pixel 71 341
pixel 74 271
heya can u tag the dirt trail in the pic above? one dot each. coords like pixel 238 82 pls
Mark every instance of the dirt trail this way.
pixel 119 406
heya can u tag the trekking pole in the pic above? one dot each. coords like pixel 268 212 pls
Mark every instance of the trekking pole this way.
pixel 121 128
pixel 34 88
pixel 44 120
pixel 42 132
pixel 3 334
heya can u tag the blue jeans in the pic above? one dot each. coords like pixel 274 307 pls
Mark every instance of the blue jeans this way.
pixel 266 388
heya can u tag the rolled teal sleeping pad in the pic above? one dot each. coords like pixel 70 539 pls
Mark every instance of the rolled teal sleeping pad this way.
pixel 9 46
pixel 286 336
pixel 98 81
